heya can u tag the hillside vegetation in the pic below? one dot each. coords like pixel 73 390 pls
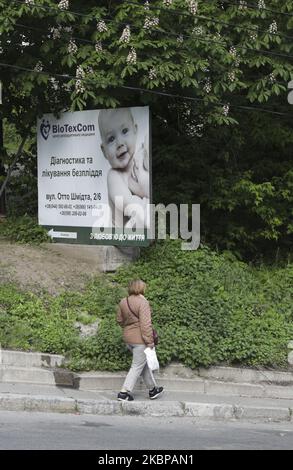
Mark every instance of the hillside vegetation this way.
pixel 209 308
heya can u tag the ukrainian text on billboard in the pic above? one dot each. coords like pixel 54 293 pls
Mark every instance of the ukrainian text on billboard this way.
pixel 94 176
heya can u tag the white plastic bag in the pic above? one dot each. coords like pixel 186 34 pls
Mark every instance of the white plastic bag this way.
pixel 152 360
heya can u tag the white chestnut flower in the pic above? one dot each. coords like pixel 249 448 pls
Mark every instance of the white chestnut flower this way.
pixel 152 73
pixel 132 57
pixel 79 87
pixel 56 33
pixel 99 46
pixel 193 6
pixel 80 73
pixel 273 28
pixel 101 26
pixel 253 35
pixel 231 76
pixel 208 86
pixel 151 22
pixel 233 51
pixel 55 83
pixel 226 109
pixel 125 36
pixel 198 30
pixel 39 67
pixel 72 47
pixel 243 5
pixel 63 5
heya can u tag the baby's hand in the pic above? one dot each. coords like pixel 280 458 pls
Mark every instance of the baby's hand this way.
pixel 138 181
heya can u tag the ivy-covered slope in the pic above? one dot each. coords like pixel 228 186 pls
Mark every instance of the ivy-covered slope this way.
pixel 208 308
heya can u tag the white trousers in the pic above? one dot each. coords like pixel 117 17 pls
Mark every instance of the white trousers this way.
pixel 138 368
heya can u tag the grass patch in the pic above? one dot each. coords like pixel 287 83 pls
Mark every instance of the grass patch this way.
pixel 23 229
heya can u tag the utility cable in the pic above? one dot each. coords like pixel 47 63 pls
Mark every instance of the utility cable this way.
pixel 145 90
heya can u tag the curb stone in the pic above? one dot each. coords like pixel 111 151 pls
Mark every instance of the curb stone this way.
pixel 98 407
pixel 36 403
pixel 213 411
pixel 208 410
pixel 163 409
pixel 265 413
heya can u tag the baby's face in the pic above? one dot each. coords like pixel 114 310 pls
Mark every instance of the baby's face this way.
pixel 118 133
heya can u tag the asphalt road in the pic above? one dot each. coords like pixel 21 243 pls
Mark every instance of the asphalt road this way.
pixel 49 431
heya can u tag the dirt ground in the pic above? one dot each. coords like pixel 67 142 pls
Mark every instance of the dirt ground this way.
pixel 44 268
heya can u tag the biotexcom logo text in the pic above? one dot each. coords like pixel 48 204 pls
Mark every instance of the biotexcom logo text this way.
pixel 65 130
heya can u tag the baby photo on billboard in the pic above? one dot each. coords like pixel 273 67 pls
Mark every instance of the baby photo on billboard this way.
pixel 124 134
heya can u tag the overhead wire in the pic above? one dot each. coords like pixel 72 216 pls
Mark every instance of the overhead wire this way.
pixel 153 92
pixel 178 12
pixel 256 7
pixel 196 38
pixel 91 42
pixel 133 88
pixel 181 13
pixel 87 41
pixel 150 7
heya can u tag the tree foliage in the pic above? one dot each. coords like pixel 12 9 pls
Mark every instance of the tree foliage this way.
pixel 210 50
pixel 212 147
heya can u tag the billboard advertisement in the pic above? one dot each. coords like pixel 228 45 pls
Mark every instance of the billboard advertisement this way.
pixel 94 183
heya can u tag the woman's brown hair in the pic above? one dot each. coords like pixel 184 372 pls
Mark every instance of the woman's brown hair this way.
pixel 136 287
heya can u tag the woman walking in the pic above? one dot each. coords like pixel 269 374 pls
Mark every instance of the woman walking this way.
pixel 134 316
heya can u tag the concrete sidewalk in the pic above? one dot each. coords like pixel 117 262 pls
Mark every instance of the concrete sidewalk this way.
pixel 41 398
pixel 41 382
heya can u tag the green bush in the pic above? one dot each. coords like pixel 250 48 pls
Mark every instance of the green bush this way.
pixel 208 308
pixel 106 351
pixel 23 229
pixel 31 322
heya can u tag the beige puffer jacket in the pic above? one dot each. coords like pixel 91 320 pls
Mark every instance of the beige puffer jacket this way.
pixel 136 330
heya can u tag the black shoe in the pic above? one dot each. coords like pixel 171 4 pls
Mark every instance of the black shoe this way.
pixel 156 392
pixel 124 396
